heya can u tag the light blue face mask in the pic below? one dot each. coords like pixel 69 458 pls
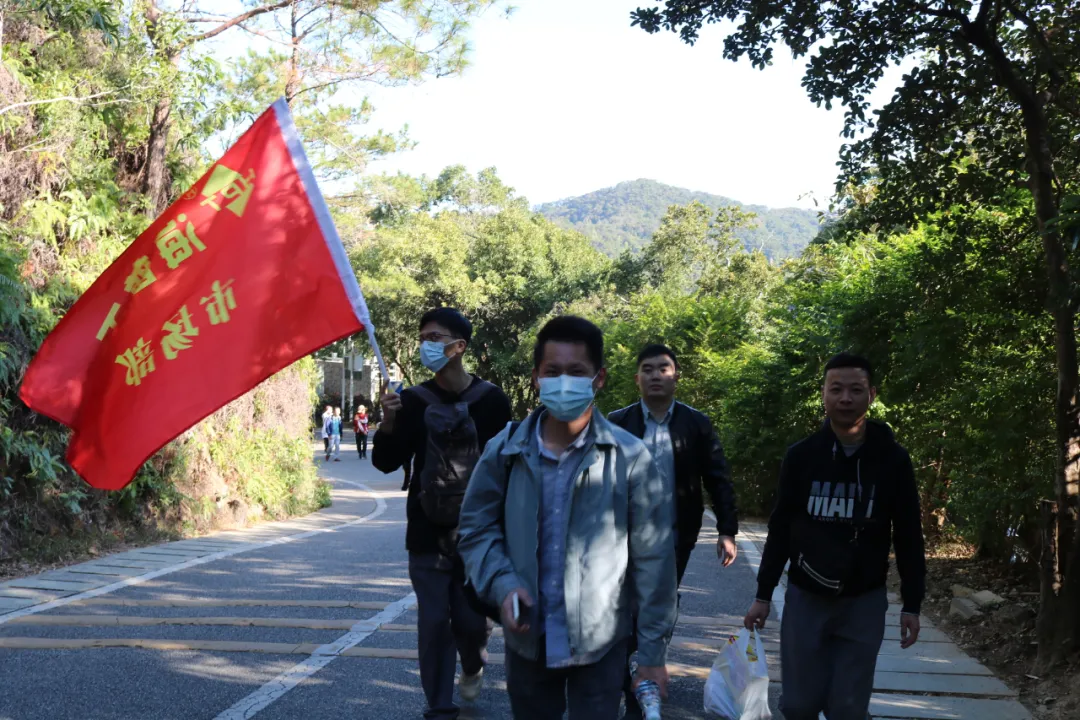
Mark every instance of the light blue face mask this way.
pixel 566 397
pixel 433 355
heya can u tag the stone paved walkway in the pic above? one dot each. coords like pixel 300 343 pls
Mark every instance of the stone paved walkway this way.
pixel 934 680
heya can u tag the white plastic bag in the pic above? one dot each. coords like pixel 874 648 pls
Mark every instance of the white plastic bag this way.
pixel 738 685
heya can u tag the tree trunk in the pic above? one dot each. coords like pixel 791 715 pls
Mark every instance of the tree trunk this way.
pixel 935 498
pixel 1069 617
pixel 292 80
pixel 156 181
pixel 1060 595
pixel 1049 585
pixel 1058 602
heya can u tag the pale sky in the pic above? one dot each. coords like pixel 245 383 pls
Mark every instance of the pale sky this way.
pixel 565 97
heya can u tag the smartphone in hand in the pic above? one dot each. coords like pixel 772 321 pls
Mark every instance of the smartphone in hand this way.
pixel 521 610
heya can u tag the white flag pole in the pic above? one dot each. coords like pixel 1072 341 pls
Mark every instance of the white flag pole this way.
pixel 329 230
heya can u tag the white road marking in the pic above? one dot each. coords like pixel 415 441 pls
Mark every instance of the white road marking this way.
pixel 380 508
pixel 323 656
pixel 355 484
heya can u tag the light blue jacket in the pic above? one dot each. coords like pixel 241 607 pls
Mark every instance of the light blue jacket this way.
pixel 620 554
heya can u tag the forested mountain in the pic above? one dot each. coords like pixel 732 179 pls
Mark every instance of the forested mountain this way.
pixel 628 214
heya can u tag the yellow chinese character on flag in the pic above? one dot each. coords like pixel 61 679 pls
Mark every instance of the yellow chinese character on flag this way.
pixel 110 322
pixel 179 333
pixel 139 362
pixel 176 245
pixel 231 185
pixel 141 276
pixel 220 302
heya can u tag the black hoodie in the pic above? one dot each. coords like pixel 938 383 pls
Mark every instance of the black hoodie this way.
pixel 837 515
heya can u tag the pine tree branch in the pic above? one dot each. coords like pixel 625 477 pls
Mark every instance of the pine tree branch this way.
pixel 241 18
pixel 62 98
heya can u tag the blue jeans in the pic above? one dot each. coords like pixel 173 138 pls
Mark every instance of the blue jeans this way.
pixel 590 692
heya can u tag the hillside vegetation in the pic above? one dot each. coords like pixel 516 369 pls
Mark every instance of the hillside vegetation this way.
pixel 108 112
pixel 627 215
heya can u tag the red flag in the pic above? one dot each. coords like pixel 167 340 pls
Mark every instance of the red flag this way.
pixel 239 278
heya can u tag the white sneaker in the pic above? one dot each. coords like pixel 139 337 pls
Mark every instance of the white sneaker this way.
pixel 470 685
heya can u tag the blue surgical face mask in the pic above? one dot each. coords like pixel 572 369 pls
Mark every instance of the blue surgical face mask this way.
pixel 433 355
pixel 566 397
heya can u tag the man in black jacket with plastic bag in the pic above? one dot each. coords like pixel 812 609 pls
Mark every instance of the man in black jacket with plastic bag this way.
pixel 847 493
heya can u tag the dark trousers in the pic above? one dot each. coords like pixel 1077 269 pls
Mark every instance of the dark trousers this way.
pixel 828 652
pixel 633 710
pixel 590 692
pixel 326 443
pixel 682 559
pixel 446 627
pixel 361 444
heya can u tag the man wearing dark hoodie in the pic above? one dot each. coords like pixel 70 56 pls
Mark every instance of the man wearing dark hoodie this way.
pixel 847 493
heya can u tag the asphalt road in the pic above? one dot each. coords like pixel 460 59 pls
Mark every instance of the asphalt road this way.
pixel 297 675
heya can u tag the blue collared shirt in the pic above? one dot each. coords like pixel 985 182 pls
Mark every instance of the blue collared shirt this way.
pixel 658 440
pixel 559 473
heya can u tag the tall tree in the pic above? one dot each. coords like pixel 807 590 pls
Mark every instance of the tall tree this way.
pixel 472 243
pixel 170 36
pixel 994 102
pixel 328 44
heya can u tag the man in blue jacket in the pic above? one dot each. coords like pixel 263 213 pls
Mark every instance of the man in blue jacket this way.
pixel 568 519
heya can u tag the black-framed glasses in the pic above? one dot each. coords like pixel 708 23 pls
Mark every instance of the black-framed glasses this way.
pixel 436 337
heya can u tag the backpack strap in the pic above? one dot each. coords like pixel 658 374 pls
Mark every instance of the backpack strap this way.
pixel 513 425
pixel 426 395
pixel 471 394
pixel 476 391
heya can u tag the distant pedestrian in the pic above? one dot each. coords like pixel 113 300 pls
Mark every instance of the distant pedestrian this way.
pixel 847 493
pixel 360 427
pixel 327 414
pixel 335 436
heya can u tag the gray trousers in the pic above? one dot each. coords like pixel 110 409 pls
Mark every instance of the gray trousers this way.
pixel 828 652
pixel 446 626
pixel 590 692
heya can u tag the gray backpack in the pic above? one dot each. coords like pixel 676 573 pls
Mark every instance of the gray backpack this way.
pixel 453 448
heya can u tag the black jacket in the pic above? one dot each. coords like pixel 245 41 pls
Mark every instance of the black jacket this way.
pixel 837 515
pixel 699 461
pixel 490 413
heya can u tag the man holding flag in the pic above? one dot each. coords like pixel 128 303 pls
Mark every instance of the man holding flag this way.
pixel 239 278
pixel 444 424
